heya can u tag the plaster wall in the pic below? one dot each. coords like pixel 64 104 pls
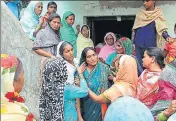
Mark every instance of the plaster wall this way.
pixel 83 9
pixel 15 41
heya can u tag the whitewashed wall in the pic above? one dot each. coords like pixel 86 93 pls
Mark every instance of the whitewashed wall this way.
pixel 93 8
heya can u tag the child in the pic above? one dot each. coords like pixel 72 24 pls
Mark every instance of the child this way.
pixel 170 51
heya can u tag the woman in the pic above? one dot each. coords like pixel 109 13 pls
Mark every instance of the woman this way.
pixel 30 20
pixel 166 92
pixel 125 83
pixel 71 91
pixel 149 29
pixel 123 46
pixel 47 39
pixel 12 81
pixel 51 8
pixel 109 48
pixel 128 109
pixel 83 40
pixel 96 76
pixel 153 61
pixel 67 31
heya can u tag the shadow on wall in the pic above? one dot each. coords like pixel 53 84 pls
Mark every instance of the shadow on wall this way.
pixel 15 41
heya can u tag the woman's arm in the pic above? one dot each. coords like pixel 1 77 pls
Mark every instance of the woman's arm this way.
pixel 163 116
pixel 167 37
pixel 38 27
pixel 72 91
pixel 99 99
pixel 44 53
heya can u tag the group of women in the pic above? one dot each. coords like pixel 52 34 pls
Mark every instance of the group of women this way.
pixel 74 78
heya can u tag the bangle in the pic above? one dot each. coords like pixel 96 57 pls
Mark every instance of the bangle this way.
pixel 162 117
pixel 81 76
pixel 38 27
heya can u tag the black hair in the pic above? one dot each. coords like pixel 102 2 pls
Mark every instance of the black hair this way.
pixel 84 53
pixel 61 49
pixel 175 26
pixel 158 54
pixel 152 0
pixel 51 3
pixel 52 16
pixel 19 70
pixel 70 15
pixel 84 26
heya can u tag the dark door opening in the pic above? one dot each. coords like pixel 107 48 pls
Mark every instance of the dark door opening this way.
pixel 99 26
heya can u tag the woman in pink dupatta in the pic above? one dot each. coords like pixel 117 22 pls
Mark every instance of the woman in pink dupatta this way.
pixel 109 48
pixel 147 87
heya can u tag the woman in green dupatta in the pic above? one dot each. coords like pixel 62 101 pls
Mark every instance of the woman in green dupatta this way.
pixel 123 46
pixel 96 76
pixel 67 32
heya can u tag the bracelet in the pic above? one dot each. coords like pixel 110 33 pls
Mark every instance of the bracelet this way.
pixel 162 117
pixel 81 76
pixel 38 27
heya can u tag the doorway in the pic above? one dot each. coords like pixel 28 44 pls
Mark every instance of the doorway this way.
pixel 99 26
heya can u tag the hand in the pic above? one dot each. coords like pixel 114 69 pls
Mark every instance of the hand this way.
pixel 171 109
pixel 81 68
pixel 110 78
pixel 101 60
pixel 41 21
pixel 53 57
pixel 170 40
pixel 80 118
pixel 77 82
pixel 114 79
pixel 78 27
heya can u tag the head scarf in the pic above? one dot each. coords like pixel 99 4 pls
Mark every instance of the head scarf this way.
pixel 83 42
pixel 107 49
pixel 126 79
pixel 127 44
pixel 30 19
pixel 52 92
pixel 70 68
pixel 128 109
pixel 127 73
pixel 47 37
pixel 11 109
pixel 67 32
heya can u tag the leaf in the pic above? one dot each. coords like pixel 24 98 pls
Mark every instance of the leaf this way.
pixel 4 71
pixel 24 109
pixel 13 69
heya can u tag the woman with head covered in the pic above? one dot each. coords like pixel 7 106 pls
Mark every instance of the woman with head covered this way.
pixel 30 21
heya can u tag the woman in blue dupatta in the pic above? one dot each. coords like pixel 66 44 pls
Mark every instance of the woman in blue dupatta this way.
pixel 30 20
pixel 67 32
pixel 96 76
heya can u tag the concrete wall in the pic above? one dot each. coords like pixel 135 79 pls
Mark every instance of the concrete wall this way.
pixel 15 41
pixel 112 8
